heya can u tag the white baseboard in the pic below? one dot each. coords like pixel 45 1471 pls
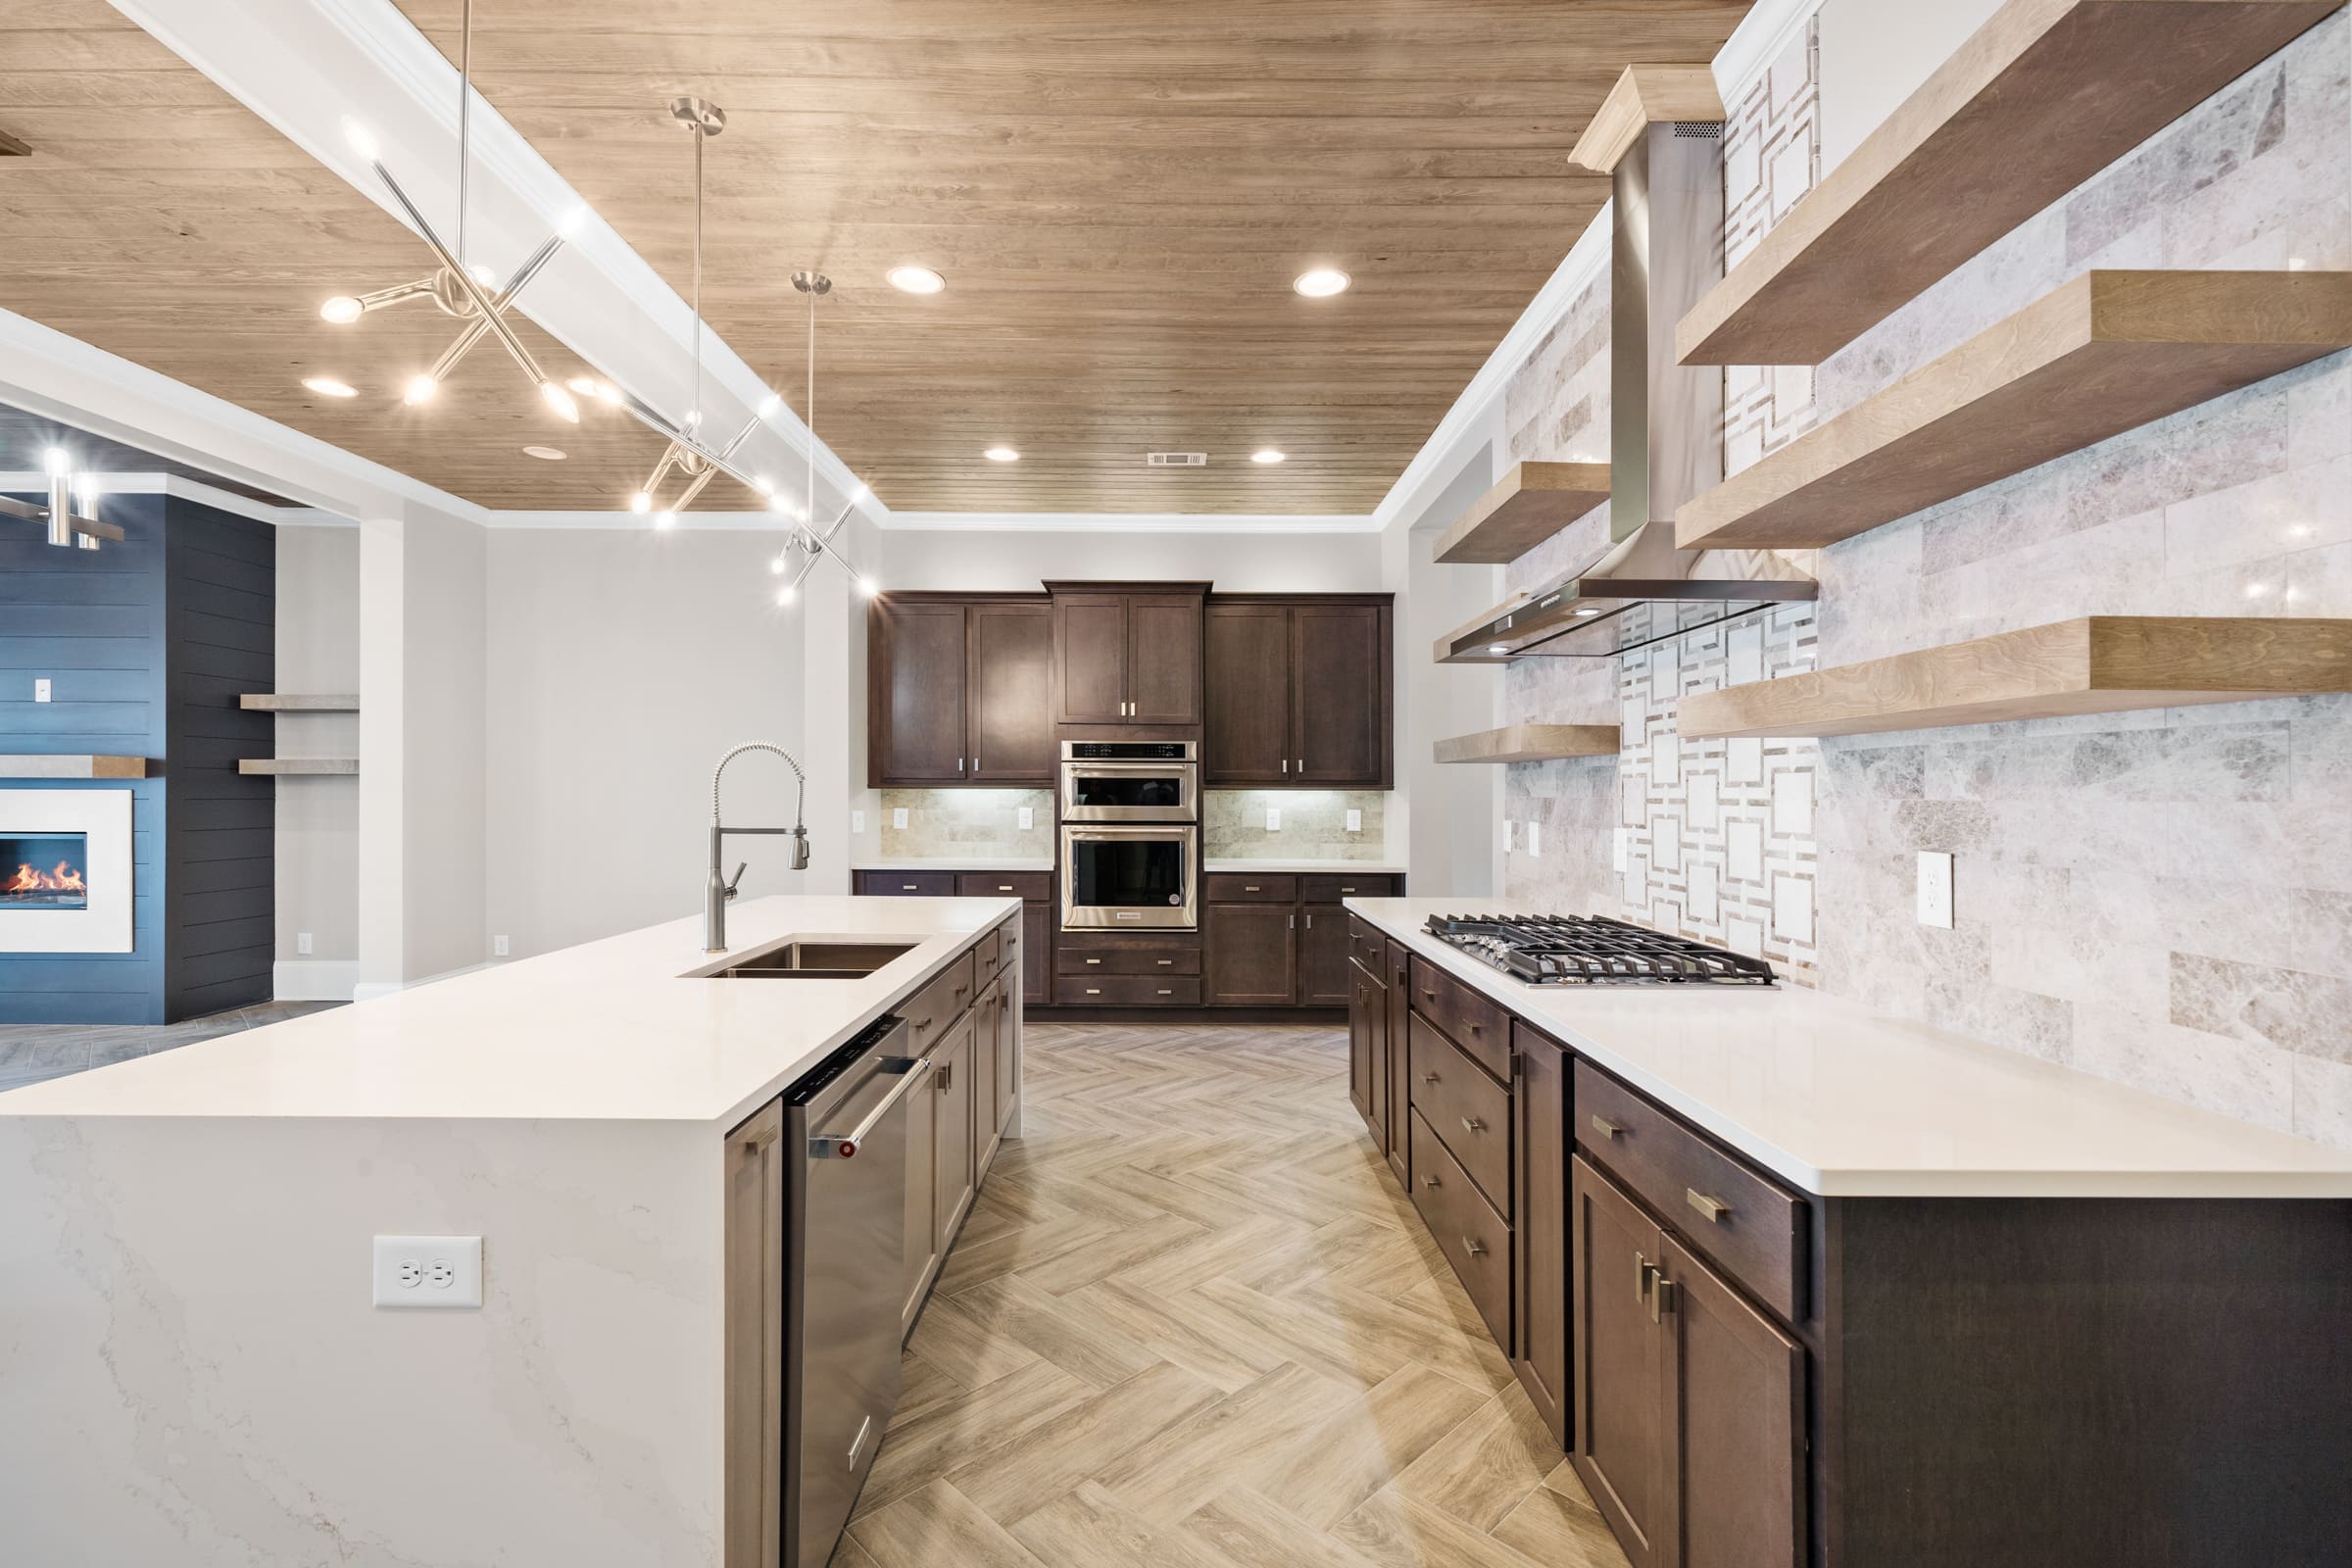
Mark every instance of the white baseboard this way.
pixel 364 991
pixel 314 979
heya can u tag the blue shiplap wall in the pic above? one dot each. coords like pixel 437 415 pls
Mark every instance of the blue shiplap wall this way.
pixel 147 643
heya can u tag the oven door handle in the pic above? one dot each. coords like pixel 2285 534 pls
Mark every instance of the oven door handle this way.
pixel 844 1147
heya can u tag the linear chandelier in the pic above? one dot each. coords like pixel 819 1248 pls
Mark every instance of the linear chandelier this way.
pixel 67 528
pixel 454 287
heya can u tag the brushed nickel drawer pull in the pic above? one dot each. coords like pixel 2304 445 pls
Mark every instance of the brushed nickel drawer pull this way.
pixel 1163 962
pixel 1431 995
pixel 1643 1269
pixel 1004 887
pixel 1605 1127
pixel 1093 960
pixel 1093 991
pixel 1476 1249
pixel 1428 1077
pixel 906 887
pixel 1346 890
pixel 1250 887
pixel 1429 1181
pixel 946 1076
pixel 1472 1124
pixel 1167 991
pixel 1713 1208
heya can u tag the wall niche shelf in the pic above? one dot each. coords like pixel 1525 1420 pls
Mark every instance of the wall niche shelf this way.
pixel 298 703
pixel 1530 743
pixel 1532 502
pixel 2101 355
pixel 57 765
pixel 298 766
pixel 2095 665
pixel 2047 94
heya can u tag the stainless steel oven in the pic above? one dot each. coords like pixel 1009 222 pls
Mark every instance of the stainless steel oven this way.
pixel 1129 879
pixel 1130 781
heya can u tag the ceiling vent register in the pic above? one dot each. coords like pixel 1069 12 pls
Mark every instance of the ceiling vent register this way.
pixel 1176 459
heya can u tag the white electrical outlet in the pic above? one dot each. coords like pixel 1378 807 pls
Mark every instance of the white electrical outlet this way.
pixel 1273 818
pixel 897 816
pixel 1534 841
pixel 302 943
pixel 1355 821
pixel 497 947
pixel 1936 889
pixel 40 690
pixel 428 1271
pixel 1028 817
pixel 857 821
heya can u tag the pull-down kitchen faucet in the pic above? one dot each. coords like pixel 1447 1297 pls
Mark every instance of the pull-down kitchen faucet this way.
pixel 717 891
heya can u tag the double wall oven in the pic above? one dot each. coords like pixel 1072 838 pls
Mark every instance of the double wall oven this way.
pixel 1130 835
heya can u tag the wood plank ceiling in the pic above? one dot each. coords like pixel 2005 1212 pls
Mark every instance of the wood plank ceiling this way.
pixel 1118 195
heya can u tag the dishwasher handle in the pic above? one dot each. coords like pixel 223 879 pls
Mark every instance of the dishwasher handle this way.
pixel 911 1070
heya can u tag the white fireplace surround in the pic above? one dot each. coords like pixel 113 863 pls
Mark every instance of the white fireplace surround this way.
pixel 103 817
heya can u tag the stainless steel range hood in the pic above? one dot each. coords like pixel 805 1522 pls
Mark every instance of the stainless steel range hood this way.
pixel 1665 421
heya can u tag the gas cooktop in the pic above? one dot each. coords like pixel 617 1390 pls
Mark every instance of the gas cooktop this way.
pixel 1550 950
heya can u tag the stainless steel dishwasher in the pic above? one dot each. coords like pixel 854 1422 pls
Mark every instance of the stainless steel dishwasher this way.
pixel 847 1211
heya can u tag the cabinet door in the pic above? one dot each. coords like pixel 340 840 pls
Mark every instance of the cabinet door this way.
pixel 1090 657
pixel 1618 1369
pixel 1163 659
pixel 1248 735
pixel 1012 704
pixel 1398 973
pixel 951 1137
pixel 1322 955
pixel 1339 702
pixel 1036 952
pixel 921 1249
pixel 988 1035
pixel 1250 952
pixel 1540 1223
pixel 754 1339
pixel 1736 1413
pixel 914 728
pixel 1009 1056
pixel 1367 1051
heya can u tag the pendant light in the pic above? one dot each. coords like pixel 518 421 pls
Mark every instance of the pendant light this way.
pixel 454 287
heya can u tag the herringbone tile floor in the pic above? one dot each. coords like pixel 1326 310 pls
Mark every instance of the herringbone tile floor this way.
pixel 1193 1323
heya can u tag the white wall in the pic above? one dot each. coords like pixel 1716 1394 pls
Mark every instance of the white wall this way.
pixel 623 664
pixel 317 818
pixel 446 614
pixel 1875 54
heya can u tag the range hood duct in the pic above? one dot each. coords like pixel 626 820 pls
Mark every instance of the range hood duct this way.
pixel 1665 419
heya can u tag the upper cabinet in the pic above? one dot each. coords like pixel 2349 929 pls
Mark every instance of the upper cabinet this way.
pixel 1128 653
pixel 960 690
pixel 1299 691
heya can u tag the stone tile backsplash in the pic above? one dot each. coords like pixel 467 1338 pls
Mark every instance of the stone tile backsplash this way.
pixel 1314 825
pixel 968 823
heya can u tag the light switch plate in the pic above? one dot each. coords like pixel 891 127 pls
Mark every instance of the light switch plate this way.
pixel 302 943
pixel 1936 889
pixel 897 816
pixel 40 690
pixel 428 1271
pixel 1273 818
pixel 1355 821
pixel 1028 817
pixel 1534 841
pixel 499 947
pixel 857 821
pixel 1510 835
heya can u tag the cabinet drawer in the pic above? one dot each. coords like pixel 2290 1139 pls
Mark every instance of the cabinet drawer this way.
pixel 1367 945
pixel 1031 887
pixel 1127 961
pixel 1472 1236
pixel 1746 1224
pixel 1323 887
pixel 930 1010
pixel 1243 886
pixel 1471 1021
pixel 988 955
pixel 1127 990
pixel 907 884
pixel 1469 1111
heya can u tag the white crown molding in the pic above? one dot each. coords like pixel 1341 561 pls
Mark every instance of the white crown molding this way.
pixel 1763 36
pixel 637 522
pixel 1128 522
pixel 24 481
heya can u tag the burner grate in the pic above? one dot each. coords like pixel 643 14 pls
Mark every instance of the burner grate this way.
pixel 1592 950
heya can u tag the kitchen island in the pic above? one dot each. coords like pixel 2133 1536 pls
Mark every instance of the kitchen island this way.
pixel 194 1371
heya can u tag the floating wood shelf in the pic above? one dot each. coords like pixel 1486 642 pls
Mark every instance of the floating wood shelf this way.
pixel 2109 351
pixel 1534 502
pixel 298 703
pixel 2097 664
pixel 1531 743
pixel 2047 94
pixel 295 767
pixel 58 767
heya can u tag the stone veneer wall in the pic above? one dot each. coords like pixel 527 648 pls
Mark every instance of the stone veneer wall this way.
pixel 968 823
pixel 2164 899
pixel 977 823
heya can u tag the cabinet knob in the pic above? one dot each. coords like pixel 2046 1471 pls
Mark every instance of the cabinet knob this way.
pixel 1605 1127
pixel 1714 1209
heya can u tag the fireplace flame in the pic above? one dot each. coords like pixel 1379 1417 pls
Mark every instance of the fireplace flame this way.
pixel 67 878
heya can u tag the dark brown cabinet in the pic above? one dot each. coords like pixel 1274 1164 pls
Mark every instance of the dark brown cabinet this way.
pixel 1250 949
pixel 1127 654
pixel 1299 691
pixel 1397 971
pixel 1368 1049
pixel 1035 890
pixel 1539 1109
pixel 1267 947
pixel 1620 1373
pixel 960 690
pixel 1322 955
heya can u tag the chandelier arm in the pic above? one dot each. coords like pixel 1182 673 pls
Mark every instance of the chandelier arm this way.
pixel 477 327
pixel 466 281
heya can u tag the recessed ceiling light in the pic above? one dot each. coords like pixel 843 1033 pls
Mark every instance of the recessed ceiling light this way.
pixel 545 454
pixel 1587 612
pixel 1321 282
pixel 1497 648
pixel 1269 455
pixel 915 280
pixel 326 386
pixel 1002 455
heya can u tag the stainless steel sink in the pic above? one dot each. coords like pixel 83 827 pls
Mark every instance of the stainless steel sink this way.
pixel 808 959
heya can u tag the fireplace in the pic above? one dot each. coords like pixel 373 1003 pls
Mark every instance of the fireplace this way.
pixel 50 871
pixel 66 870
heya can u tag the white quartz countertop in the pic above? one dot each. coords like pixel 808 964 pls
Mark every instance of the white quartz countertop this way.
pixel 1342 868
pixel 1843 1102
pixel 954 862
pixel 606 1030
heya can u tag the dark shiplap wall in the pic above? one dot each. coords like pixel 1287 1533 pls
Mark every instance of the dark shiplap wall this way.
pixel 148 643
